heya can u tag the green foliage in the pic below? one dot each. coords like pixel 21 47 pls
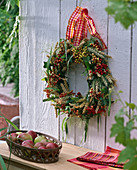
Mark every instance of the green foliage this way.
pixel 122 132
pixel 125 123
pixel 123 11
pixel 129 154
pixel 9 49
pixel 2 163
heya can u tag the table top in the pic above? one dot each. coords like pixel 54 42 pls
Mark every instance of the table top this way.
pixel 68 151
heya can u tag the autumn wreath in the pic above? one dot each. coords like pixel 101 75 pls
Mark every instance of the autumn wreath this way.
pixel 97 101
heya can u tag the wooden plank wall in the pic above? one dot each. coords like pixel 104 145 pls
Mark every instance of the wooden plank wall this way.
pixel 43 23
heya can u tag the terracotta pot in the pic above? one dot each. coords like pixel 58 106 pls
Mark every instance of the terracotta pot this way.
pixel 9 108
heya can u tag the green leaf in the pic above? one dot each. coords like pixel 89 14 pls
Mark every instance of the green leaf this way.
pixel 49 99
pixel 50 88
pixel 135 117
pixel 86 61
pixel 66 127
pixel 121 132
pixel 45 100
pixel 129 153
pixel 121 112
pixel 123 11
pixel 109 106
pixel 127 104
pixel 132 164
pixel 132 106
pixel 2 163
pixel 48 62
pixel 44 79
pixel 8 121
pixel 3 129
pixel 17 3
pixel 120 91
pixel 58 111
pixel 12 124
pixel 65 55
pixel 45 65
pixel 62 126
pixel 68 64
pixel 86 129
pixel 98 121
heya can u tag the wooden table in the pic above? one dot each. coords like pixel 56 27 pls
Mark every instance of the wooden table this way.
pixel 68 151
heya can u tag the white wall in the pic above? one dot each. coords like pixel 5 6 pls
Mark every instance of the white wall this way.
pixel 43 23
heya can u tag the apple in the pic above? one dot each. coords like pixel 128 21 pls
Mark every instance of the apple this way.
pixel 39 139
pixel 51 145
pixel 33 134
pixel 42 147
pixel 28 142
pixel 13 137
pixel 18 133
pixel 44 141
pixel 28 145
pixel 38 144
pixel 24 136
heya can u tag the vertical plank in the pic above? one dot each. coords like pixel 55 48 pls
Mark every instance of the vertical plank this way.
pixel 39 31
pixel 134 66
pixel 67 7
pixel 95 139
pixel 47 34
pixel 27 33
pixel 134 72
pixel 119 49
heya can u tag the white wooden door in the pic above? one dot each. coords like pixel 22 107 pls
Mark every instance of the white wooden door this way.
pixel 43 23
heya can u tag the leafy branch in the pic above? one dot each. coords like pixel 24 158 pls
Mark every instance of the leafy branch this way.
pixel 123 11
pixel 9 48
pixel 125 123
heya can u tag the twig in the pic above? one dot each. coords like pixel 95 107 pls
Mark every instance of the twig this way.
pixel 1 2
pixel 80 2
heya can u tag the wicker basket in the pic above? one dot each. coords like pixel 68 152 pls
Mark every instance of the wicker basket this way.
pixel 35 155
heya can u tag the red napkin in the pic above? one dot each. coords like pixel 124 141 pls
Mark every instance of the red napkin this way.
pixel 95 161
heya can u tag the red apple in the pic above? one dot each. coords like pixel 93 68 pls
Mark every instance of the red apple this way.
pixel 42 147
pixel 24 136
pixel 28 145
pixel 33 134
pixel 44 141
pixel 13 137
pixel 51 145
pixel 37 145
pixel 27 141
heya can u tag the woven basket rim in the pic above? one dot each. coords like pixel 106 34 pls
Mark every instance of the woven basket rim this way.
pixel 59 147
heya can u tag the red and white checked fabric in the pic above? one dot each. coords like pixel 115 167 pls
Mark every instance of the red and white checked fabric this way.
pixel 78 25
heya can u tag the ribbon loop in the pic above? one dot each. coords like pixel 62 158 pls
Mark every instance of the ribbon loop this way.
pixel 78 25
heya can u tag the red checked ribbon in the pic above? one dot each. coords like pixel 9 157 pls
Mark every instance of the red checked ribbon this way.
pixel 78 25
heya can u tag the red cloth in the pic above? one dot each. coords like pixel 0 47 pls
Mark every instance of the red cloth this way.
pixel 96 161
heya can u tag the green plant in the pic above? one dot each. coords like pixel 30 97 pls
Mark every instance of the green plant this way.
pixel 9 49
pixel 123 11
pixel 125 123
pixel 12 124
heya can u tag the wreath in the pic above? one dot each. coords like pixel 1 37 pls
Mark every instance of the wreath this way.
pixel 97 101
